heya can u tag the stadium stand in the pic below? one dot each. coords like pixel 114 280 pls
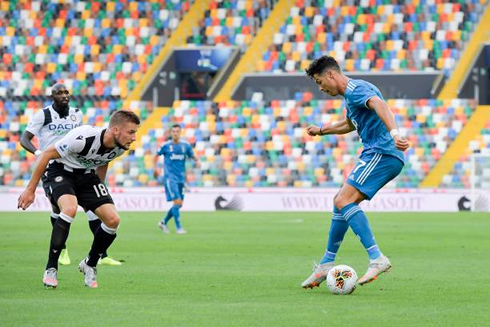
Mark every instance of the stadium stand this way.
pixel 257 144
pixel 461 172
pixel 375 35
pixel 231 22
pixel 96 48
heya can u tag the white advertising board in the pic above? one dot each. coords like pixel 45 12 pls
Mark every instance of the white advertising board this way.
pixel 269 199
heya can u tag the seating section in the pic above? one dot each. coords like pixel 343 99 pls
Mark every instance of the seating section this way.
pixel 257 144
pixel 231 22
pixel 15 162
pixel 374 35
pixel 97 48
pixel 460 175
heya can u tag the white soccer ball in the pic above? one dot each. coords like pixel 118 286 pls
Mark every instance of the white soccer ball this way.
pixel 342 280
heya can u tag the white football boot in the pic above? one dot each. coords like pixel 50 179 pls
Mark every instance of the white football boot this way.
pixel 318 276
pixel 376 267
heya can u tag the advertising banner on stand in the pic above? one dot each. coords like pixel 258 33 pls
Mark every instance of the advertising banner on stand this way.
pixel 271 199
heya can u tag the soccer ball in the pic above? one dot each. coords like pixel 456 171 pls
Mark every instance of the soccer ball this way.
pixel 342 280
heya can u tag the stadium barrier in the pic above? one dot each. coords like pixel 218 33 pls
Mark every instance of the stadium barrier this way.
pixel 273 199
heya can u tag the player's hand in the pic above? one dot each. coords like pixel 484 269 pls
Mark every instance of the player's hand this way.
pixel 198 164
pixel 313 130
pixel 26 199
pixel 400 143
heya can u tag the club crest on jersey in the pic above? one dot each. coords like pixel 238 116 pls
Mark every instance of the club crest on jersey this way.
pixel 73 117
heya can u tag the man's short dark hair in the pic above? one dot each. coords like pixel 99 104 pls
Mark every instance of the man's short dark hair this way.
pixel 321 65
pixel 122 116
pixel 176 126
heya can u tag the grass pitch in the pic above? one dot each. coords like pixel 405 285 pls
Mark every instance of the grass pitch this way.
pixel 245 269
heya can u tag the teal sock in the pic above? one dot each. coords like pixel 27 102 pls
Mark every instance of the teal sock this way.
pixel 338 228
pixel 168 216
pixel 176 214
pixel 358 221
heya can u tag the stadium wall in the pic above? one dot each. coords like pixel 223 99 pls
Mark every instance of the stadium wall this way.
pixel 393 85
pixel 270 199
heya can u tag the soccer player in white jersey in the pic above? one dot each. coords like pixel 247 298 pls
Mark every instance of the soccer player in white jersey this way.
pixel 50 125
pixel 75 176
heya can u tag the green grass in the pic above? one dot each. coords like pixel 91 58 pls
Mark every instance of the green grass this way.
pixel 245 269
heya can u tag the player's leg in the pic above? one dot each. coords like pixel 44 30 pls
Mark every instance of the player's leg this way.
pixel 103 238
pixel 176 213
pixel 170 194
pixel 364 182
pixel 94 223
pixel 176 208
pixel 93 195
pixel 338 228
pixel 64 259
pixel 55 213
pixel 68 206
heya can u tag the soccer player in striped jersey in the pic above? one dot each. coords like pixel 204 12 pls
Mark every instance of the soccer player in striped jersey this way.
pixel 50 125
pixel 75 176
pixel 381 161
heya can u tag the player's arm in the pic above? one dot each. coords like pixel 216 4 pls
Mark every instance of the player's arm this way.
pixel 386 115
pixel 33 129
pixel 27 197
pixel 343 126
pixel 101 171
pixel 26 142
pixel 190 153
pixel 196 160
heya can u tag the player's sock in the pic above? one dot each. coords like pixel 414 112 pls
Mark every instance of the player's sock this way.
pixel 103 238
pixel 54 217
pixel 59 235
pixel 94 225
pixel 168 216
pixel 357 220
pixel 338 228
pixel 176 214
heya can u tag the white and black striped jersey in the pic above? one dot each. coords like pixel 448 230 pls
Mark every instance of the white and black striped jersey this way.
pixel 82 148
pixel 49 127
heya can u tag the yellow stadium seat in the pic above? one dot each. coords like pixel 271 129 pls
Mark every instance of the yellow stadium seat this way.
pixel 88 32
pixel 85 15
pixel 106 22
pixel 361 19
pixel 111 6
pixel 133 6
pixel 309 11
pixel 78 59
pixel 81 76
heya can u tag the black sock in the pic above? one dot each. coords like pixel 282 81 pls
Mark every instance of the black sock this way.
pixel 102 241
pixel 53 221
pixel 94 225
pixel 59 235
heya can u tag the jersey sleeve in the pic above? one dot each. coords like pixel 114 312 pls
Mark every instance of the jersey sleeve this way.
pixel 361 96
pixel 73 142
pixel 161 151
pixel 36 123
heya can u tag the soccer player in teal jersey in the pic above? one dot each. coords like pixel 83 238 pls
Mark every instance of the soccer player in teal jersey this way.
pixel 175 153
pixel 381 161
